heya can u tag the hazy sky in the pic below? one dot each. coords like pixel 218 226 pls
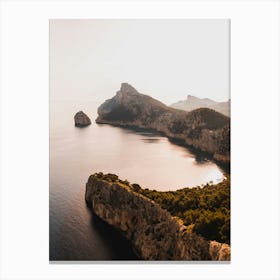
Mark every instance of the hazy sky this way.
pixel 167 59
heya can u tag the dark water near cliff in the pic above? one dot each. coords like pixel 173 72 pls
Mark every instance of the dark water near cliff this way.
pixel 140 157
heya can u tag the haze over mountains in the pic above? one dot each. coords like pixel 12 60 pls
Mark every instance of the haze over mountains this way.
pixel 192 103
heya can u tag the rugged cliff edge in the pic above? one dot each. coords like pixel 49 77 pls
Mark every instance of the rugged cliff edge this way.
pixel 203 129
pixel 153 232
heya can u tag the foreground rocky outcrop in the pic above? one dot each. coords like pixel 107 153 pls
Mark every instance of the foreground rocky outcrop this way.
pixel 203 129
pixel 153 232
pixel 81 119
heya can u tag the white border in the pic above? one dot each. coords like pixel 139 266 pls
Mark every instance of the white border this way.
pixel 255 138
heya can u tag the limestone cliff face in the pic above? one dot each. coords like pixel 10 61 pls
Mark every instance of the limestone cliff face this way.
pixel 81 119
pixel 203 129
pixel 153 232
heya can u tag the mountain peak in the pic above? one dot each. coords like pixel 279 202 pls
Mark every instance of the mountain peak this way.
pixel 192 97
pixel 127 88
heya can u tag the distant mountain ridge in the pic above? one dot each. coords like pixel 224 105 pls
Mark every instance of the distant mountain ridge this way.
pixel 192 103
pixel 203 129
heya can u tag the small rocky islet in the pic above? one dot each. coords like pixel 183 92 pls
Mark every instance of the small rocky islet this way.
pixel 81 119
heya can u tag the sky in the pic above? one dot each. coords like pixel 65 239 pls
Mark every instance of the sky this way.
pixel 164 58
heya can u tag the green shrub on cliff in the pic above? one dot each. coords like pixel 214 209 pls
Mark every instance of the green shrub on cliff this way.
pixel 206 209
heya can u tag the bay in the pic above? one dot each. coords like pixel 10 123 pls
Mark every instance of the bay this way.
pixel 146 158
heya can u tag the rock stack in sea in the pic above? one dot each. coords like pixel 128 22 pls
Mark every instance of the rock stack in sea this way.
pixel 81 119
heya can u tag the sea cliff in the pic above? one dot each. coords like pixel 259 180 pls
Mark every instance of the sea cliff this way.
pixel 153 232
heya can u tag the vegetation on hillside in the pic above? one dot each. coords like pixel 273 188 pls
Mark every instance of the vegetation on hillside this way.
pixel 204 210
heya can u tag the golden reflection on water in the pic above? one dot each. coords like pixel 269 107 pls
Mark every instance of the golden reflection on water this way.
pixel 140 157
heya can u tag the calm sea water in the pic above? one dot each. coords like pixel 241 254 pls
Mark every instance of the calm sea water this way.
pixel 140 157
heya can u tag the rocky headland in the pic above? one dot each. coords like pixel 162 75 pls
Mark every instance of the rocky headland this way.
pixel 203 129
pixel 81 119
pixel 154 233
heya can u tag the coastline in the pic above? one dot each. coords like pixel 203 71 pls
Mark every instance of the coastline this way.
pixel 225 166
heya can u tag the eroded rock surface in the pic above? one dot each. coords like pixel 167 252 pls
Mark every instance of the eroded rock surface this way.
pixel 153 232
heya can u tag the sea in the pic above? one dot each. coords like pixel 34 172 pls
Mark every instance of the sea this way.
pixel 146 158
